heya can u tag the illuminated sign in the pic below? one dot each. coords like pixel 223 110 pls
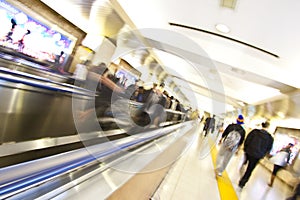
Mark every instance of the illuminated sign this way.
pixel 24 34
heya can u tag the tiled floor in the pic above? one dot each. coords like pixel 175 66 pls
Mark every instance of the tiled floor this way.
pixel 192 177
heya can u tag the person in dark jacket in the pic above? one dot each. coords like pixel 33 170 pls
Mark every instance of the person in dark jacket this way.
pixel 225 153
pixel 209 125
pixel 258 143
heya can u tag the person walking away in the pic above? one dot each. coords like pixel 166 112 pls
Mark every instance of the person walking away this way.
pixel 280 160
pixel 258 143
pixel 232 138
pixel 209 125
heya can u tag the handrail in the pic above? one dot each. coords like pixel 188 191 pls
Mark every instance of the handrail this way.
pixel 139 104
pixel 42 85
pixel 12 185
pixel 23 74
pixel 39 78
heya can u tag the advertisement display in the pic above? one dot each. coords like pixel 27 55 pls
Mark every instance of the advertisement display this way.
pixel 22 33
pixel 127 74
pixel 125 78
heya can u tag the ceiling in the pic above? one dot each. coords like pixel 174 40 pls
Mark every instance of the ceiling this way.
pixel 256 62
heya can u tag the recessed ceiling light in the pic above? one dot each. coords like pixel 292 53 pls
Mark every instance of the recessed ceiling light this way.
pixel 222 28
pixel 228 3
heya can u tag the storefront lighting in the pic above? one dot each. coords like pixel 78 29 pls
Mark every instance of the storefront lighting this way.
pixel 281 114
pixel 92 41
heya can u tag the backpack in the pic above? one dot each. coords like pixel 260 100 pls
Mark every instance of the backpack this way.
pixel 232 140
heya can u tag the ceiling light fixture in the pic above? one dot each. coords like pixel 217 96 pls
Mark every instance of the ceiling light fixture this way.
pixel 228 3
pixel 222 28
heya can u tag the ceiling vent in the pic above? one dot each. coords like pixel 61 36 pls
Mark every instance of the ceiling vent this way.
pixel 228 3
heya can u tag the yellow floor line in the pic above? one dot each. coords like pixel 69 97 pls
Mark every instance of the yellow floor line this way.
pixel 226 189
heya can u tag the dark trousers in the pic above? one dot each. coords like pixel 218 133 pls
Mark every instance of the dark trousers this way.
pixel 252 162
pixel 276 168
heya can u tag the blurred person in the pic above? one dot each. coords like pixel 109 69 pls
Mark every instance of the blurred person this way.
pixel 98 82
pixel 220 129
pixel 138 95
pixel 155 104
pixel 113 77
pixel 258 144
pixel 150 91
pixel 142 115
pixel 131 89
pixel 280 160
pixel 58 60
pixel 209 125
pixel 159 112
pixel 81 72
pixel 178 106
pixel 152 97
pixel 173 103
pixel 168 99
pixel 232 138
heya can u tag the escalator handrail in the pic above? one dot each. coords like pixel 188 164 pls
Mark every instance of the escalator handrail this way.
pixel 43 85
pixel 23 74
pixel 39 78
pixel 14 185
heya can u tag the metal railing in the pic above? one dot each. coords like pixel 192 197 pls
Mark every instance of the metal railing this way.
pixel 19 178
